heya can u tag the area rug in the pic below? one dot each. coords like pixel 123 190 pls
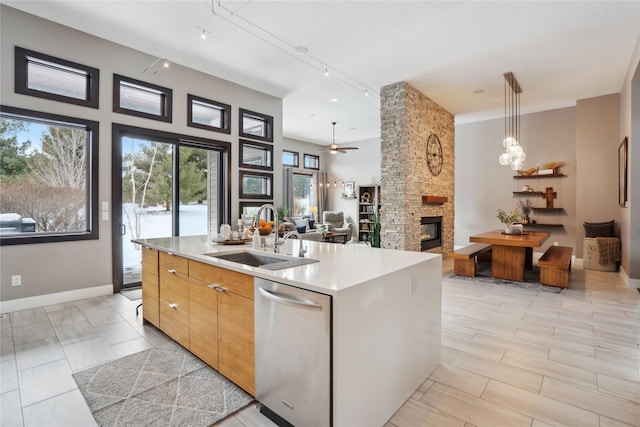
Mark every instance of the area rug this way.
pixel 162 386
pixel 531 279
pixel 133 294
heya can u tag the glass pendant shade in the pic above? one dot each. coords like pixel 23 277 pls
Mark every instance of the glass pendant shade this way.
pixel 521 156
pixel 514 150
pixel 505 159
pixel 509 141
pixel 516 165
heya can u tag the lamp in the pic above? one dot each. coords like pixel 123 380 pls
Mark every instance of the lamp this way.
pixel 514 155
pixel 313 210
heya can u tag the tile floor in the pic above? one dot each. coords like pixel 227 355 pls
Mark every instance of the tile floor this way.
pixel 509 357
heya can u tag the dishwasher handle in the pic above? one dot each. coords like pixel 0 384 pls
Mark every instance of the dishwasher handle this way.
pixel 290 300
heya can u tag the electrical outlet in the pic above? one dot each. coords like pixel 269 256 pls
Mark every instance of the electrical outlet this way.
pixel 16 280
pixel 414 285
pixel 555 243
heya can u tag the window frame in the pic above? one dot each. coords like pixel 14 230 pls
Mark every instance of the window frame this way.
pixel 268 120
pixel 92 196
pixel 267 212
pixel 166 93
pixel 265 147
pixel 311 156
pixel 224 108
pixel 261 196
pixel 21 64
pixel 297 157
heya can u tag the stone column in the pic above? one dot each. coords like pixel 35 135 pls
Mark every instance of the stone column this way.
pixel 408 117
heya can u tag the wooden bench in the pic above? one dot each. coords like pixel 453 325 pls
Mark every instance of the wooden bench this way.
pixel 464 259
pixel 555 266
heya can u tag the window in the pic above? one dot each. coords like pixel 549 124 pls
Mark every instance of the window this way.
pixel 311 162
pixel 254 155
pixel 256 126
pixel 256 185
pixel 290 158
pixel 48 177
pixel 44 76
pixel 303 194
pixel 250 209
pixel 206 114
pixel 141 99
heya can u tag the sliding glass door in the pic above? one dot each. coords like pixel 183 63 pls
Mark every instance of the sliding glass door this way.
pixel 165 186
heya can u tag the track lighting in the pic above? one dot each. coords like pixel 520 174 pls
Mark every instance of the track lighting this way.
pixel 326 72
pixel 203 36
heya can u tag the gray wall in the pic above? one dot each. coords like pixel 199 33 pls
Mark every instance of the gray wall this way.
pixel 483 186
pixel 57 267
pixel 630 127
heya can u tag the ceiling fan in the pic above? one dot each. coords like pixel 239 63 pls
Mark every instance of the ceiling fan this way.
pixel 333 149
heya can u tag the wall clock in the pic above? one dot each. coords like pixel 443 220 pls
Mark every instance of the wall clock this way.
pixel 434 154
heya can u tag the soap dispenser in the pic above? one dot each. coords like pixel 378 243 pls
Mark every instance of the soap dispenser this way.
pixel 256 239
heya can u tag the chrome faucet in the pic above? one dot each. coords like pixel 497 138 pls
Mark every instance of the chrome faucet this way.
pixel 295 235
pixel 256 223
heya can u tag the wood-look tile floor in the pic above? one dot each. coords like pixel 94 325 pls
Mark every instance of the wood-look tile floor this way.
pixel 510 357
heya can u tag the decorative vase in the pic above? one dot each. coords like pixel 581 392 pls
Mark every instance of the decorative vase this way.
pixel 507 229
pixel 525 219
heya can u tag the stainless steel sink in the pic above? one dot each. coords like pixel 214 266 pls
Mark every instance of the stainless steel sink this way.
pixel 263 261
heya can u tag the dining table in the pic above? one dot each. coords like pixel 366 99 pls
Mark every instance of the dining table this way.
pixel 511 254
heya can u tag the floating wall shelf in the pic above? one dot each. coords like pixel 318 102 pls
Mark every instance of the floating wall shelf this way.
pixel 548 209
pixel 528 193
pixel 436 200
pixel 543 226
pixel 556 175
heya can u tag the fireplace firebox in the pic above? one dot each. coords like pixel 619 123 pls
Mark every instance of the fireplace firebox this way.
pixel 430 232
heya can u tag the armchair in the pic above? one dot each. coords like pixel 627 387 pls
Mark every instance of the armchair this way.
pixel 336 223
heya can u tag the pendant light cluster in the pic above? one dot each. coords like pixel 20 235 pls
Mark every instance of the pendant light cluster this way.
pixel 514 154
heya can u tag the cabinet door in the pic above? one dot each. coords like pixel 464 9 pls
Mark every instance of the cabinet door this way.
pixel 203 321
pixel 150 284
pixel 236 340
pixel 174 306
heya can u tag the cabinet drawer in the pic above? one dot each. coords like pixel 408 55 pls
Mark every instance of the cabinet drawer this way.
pixel 239 283
pixel 175 323
pixel 174 288
pixel 207 273
pixel 174 262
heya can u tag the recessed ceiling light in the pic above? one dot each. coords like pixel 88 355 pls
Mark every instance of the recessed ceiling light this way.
pixel 312 114
pixel 334 100
pixel 302 50
pixel 478 91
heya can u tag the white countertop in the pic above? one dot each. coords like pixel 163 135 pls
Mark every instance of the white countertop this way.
pixel 340 266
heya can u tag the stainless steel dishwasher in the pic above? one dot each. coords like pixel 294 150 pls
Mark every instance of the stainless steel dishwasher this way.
pixel 293 354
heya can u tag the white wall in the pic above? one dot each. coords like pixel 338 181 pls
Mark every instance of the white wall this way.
pixel 57 267
pixel 359 166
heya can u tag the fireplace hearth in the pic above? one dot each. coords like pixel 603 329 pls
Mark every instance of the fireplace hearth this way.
pixel 430 232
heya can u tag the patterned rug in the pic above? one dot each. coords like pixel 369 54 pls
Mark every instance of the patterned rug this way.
pixel 531 279
pixel 162 386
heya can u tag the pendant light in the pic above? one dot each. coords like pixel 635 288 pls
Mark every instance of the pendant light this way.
pixel 514 155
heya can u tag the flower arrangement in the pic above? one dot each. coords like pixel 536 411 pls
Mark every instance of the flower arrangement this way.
pixel 508 218
pixel 525 206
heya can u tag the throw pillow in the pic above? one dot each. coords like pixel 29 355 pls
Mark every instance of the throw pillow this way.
pixel 598 229
pixel 302 223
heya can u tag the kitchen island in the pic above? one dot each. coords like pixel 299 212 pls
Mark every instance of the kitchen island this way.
pixel 385 323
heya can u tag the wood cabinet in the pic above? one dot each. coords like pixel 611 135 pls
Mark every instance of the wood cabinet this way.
pixel 222 332
pixel 368 204
pixel 150 286
pixel 206 309
pixel 174 297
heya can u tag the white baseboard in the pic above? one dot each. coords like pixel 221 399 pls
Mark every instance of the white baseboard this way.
pixel 57 298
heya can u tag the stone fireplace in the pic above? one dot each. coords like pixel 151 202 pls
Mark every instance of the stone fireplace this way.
pixel 409 189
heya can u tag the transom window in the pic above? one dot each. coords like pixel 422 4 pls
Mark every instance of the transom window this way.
pixel 138 98
pixel 311 162
pixel 256 126
pixel 45 76
pixel 206 114
pixel 254 155
pixel 290 158
pixel 48 177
